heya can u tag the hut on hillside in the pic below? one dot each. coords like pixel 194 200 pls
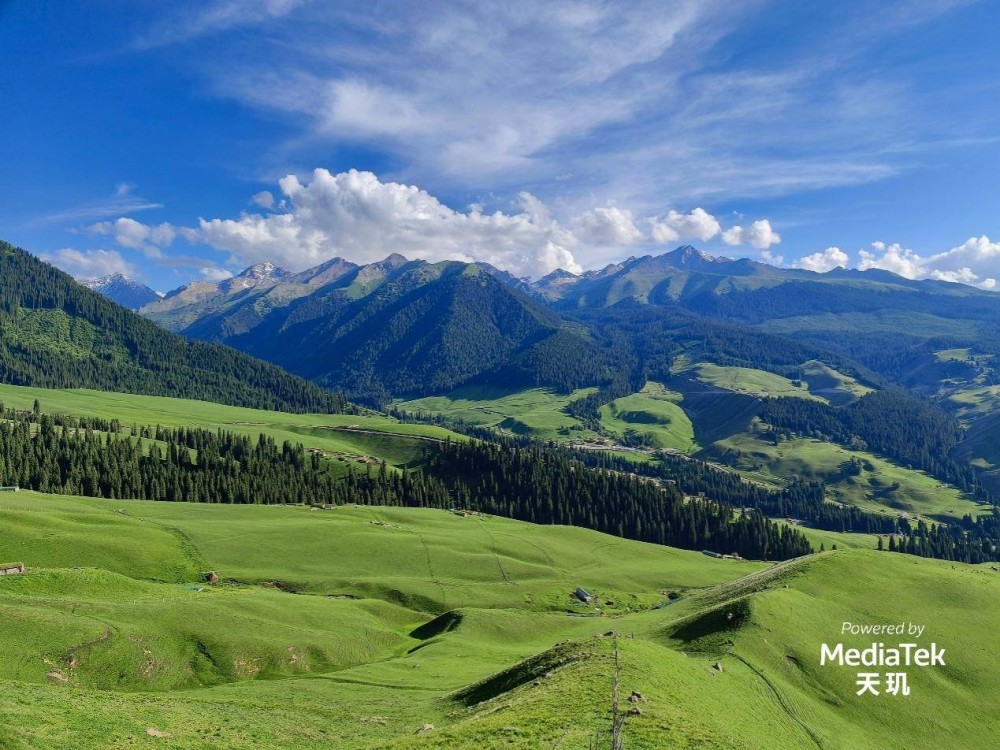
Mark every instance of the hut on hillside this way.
pixel 11 569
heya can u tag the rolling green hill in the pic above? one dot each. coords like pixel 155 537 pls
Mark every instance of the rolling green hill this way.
pixel 534 411
pixel 654 417
pixel 879 486
pixel 396 609
pixel 408 617
pixel 346 438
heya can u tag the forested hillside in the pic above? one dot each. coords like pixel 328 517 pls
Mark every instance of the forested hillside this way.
pixel 56 333
pixel 399 327
pixel 62 454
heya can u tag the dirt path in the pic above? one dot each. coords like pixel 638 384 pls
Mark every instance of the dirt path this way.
pixel 384 433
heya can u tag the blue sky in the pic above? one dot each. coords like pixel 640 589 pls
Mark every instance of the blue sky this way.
pixel 188 140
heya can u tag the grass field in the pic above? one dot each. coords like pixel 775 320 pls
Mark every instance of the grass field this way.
pixel 748 381
pixel 654 413
pixel 347 437
pixel 953 355
pixel 533 411
pixel 830 539
pixel 885 487
pixel 358 626
pixel 971 403
pixel 702 403
pixel 389 600
pixel 835 387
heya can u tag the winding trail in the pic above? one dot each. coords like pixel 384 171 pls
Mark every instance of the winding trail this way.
pixel 782 701
pixel 496 555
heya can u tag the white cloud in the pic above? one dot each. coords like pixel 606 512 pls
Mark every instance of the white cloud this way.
pixel 213 17
pixel 607 226
pixel 122 201
pixel 88 264
pixel 894 258
pixel 760 235
pixel 134 234
pixel 978 251
pixel 471 90
pixel 630 97
pixel 832 257
pixel 975 262
pixel 357 216
pixel 699 225
pixel 216 274
pixel 264 199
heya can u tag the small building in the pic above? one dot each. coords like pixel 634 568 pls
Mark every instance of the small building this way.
pixel 710 553
pixel 582 595
pixel 11 569
pixel 12 488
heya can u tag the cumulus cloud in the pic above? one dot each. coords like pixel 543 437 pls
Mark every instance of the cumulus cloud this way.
pixel 894 258
pixel 134 234
pixel 88 264
pixel 357 216
pixel 975 262
pixel 607 226
pixel 832 257
pixel 215 274
pixel 979 252
pixel 698 224
pixel 760 235
pixel 264 199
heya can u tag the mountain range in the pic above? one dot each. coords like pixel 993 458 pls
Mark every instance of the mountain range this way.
pixel 399 328
pixel 387 328
pixel 402 330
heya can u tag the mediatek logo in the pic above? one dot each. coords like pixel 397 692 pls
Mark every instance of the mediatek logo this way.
pixel 879 655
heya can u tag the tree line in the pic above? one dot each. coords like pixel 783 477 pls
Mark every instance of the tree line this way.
pixel 971 540
pixel 39 452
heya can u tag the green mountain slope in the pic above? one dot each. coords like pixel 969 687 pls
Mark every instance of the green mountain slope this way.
pixel 397 327
pixel 57 333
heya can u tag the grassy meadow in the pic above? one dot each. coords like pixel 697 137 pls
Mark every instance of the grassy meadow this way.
pixel 881 486
pixel 343 437
pixel 533 411
pixel 333 607
pixel 358 627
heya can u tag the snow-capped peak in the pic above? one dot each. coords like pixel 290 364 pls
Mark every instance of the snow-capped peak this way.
pixel 263 272
pixel 122 289
pixel 111 278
